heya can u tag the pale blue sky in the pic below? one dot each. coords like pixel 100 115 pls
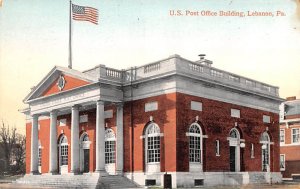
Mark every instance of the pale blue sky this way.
pixel 34 38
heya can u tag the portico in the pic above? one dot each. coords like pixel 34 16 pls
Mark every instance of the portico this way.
pixel 71 103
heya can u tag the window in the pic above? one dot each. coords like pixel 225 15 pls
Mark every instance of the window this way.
pixel 195 148
pixel 282 162
pixel 196 106
pixel 151 106
pixel 217 148
pixel 252 150
pixel 64 150
pixel 153 143
pixel 266 119
pixel 282 135
pixel 235 113
pixel 295 135
pixel 233 133
pixel 110 146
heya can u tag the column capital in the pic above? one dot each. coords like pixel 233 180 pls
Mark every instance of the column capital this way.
pixel 100 102
pixel 75 107
pixel 119 104
pixel 35 116
pixel 53 112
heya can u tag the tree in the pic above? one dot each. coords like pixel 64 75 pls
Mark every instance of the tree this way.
pixel 12 145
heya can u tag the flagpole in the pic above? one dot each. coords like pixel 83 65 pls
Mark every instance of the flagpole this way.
pixel 70 36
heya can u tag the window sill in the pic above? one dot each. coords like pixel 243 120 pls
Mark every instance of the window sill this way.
pixel 153 163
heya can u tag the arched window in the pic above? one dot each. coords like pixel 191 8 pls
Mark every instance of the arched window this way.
pixel 110 146
pixel 234 133
pixel 152 143
pixel 195 143
pixel 85 138
pixel 64 150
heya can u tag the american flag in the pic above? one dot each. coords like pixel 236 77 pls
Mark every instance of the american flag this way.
pixel 83 13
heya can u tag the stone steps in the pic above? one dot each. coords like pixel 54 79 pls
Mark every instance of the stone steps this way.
pixel 76 181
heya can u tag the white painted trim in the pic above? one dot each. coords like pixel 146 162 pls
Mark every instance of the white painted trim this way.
pixel 282 169
pixel 283 136
pixel 286 145
pixel 292 135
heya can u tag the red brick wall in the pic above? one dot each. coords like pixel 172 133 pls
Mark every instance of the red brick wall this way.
pixel 291 167
pixel 292 153
pixel 216 122
pixel 174 116
pixel 164 117
pixel 71 83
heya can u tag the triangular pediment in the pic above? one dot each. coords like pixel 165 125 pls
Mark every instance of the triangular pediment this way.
pixel 58 80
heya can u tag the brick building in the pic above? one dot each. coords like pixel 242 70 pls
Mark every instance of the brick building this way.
pixel 290 138
pixel 202 125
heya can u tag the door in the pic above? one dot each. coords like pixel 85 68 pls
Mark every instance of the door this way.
pixel 232 158
pixel 265 160
pixel 86 158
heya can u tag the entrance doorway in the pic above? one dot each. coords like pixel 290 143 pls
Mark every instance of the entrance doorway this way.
pixel 265 151
pixel 232 158
pixel 234 150
pixel 86 159
pixel 84 153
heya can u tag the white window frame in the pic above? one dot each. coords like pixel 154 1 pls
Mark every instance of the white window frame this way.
pixel 63 151
pixel 152 131
pixel 217 147
pixel 110 146
pixel 252 150
pixel 195 166
pixel 282 168
pixel 195 137
pixel 282 142
pixel 154 151
pixel 292 135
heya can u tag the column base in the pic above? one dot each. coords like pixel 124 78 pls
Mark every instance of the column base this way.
pixel 101 173
pixel 75 172
pixel 52 173
pixel 120 172
pixel 35 173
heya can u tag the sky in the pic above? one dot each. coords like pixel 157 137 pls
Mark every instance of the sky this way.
pixel 34 38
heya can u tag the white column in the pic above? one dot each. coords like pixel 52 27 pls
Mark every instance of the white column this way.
pixel 75 140
pixel 100 143
pixel 34 145
pixel 53 143
pixel 120 139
